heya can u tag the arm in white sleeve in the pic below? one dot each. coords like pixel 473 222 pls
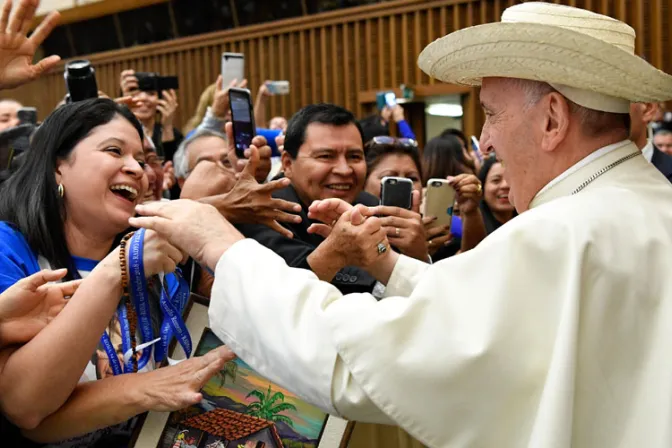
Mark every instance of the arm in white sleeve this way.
pixel 273 317
pixel 405 276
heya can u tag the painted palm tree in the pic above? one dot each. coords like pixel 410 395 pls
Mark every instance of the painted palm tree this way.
pixel 230 369
pixel 267 408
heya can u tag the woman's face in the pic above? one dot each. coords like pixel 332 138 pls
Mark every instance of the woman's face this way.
pixel 496 190
pixel 396 165
pixel 103 178
pixel 146 105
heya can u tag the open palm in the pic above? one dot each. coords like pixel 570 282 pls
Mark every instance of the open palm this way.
pixel 17 50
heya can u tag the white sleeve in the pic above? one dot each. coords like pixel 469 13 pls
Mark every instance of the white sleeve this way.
pixel 405 276
pixel 273 317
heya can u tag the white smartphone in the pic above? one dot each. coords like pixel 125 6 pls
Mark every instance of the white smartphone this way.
pixel 440 201
pixel 233 67
pixel 278 87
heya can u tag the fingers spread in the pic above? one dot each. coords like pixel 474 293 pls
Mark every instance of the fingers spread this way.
pixel 4 16
pixel 45 28
pixel 280 229
pixel 20 14
pixel 277 185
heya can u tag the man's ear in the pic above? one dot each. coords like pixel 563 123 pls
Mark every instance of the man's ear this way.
pixel 287 164
pixel 649 111
pixel 556 121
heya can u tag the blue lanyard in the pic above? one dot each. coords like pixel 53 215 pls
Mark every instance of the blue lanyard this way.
pixel 172 305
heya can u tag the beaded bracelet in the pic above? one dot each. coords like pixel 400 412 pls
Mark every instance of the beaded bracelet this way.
pixel 126 297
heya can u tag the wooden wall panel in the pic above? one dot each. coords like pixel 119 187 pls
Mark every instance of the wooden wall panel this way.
pixel 337 56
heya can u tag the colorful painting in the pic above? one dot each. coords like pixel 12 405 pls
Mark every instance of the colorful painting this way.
pixel 241 409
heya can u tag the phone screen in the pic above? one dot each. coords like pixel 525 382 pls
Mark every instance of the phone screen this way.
pixel 233 67
pixel 242 120
pixel 390 99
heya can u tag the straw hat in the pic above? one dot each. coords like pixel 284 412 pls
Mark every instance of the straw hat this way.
pixel 588 57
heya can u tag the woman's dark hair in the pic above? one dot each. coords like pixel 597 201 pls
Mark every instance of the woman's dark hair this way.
pixel 491 223
pixel 376 152
pixel 328 114
pixel 455 133
pixel 443 157
pixel 30 200
pixel 372 126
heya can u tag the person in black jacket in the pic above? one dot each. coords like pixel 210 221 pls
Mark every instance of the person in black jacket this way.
pixel 324 158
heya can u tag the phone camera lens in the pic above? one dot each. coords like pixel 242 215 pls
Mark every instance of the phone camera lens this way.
pixel 436 184
pixel 393 182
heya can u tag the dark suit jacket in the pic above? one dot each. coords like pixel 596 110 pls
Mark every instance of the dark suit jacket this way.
pixel 663 162
pixel 295 251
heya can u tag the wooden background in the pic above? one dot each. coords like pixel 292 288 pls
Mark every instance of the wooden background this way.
pixel 342 57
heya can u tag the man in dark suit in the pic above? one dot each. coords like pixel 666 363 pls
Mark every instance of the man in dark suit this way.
pixel 324 158
pixel 641 114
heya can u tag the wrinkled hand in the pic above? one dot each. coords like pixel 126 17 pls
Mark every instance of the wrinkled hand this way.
pixel 251 202
pixel 208 178
pixel 197 228
pixel 404 229
pixel 168 175
pixel 469 192
pixel 167 106
pixel 398 113
pixel 328 211
pixel 263 166
pixel 159 254
pixel 31 303
pixel 355 237
pixel 17 50
pixel 220 103
pixel 176 387
pixel 437 235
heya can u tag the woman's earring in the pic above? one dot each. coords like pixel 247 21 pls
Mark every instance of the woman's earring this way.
pixel 61 192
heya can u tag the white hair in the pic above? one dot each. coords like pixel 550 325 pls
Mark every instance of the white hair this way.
pixel 181 158
pixel 593 122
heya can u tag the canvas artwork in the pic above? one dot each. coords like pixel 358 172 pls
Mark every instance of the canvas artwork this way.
pixel 242 409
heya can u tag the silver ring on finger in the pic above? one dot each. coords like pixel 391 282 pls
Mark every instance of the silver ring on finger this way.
pixel 397 232
pixel 382 248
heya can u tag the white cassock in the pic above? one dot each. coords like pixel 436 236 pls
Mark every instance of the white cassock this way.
pixel 556 331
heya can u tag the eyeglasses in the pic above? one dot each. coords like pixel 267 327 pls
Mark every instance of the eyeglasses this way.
pixel 386 140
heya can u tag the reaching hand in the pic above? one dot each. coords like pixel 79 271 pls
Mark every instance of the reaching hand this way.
pixel 263 166
pixel 159 255
pixel 328 211
pixel 198 229
pixel 178 386
pixel 220 104
pixel 208 178
pixel 405 230
pixel 31 303
pixel 17 50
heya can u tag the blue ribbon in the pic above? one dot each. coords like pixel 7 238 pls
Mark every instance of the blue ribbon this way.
pixel 173 304
pixel 139 295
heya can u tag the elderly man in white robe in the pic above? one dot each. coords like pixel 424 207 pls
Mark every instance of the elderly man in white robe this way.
pixel 554 332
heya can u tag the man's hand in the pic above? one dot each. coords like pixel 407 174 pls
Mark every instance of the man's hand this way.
pixel 31 303
pixel 197 229
pixel 263 166
pixel 17 50
pixel 327 211
pixel 250 202
pixel 220 104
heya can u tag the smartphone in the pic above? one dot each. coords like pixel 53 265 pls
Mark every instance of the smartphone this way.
pixel 440 201
pixel 242 119
pixel 396 192
pixel 278 87
pixel 390 100
pixel 380 100
pixel 168 83
pixel 27 115
pixel 233 67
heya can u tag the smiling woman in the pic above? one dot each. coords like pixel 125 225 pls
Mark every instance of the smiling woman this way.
pixel 67 206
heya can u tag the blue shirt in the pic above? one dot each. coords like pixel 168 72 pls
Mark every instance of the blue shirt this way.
pixel 17 259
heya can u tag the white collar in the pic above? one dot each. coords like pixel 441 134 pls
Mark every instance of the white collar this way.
pixel 583 162
pixel 647 151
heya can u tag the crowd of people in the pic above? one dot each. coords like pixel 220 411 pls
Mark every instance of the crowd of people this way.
pixel 308 195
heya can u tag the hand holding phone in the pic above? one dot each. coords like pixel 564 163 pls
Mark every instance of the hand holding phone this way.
pixel 440 201
pixel 242 119
pixel 396 192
